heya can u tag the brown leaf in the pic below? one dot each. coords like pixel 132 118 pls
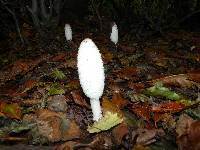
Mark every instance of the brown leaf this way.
pixel 71 63
pixel 142 110
pixel 20 67
pixel 101 141
pixel 129 73
pixel 166 118
pixel 57 103
pixel 11 110
pixel 156 56
pixel 48 123
pixel 69 145
pixel 107 105
pixel 78 99
pixel 72 131
pixel 107 56
pixel 147 136
pixel 171 107
pixel 55 126
pixel 136 87
pixel 180 80
pixel 28 85
pixel 58 57
pixel 188 135
pixel 195 76
pixel 183 124
pixel 119 132
pixel 119 101
pixel 11 90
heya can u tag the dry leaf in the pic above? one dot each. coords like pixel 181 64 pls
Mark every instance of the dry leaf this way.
pixel 78 99
pixel 142 110
pixel 107 105
pixel 119 101
pixel 119 132
pixel 12 110
pixel 170 107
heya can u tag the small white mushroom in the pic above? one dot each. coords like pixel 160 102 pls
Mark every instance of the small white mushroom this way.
pixel 68 32
pixel 114 34
pixel 91 74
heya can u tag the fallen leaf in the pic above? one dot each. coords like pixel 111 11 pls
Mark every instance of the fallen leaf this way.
pixel 170 107
pixel 180 80
pixel 167 120
pixel 101 141
pixel 57 103
pixel 142 110
pixel 194 76
pixel 119 132
pixel 78 99
pixel 136 87
pixel 70 130
pixel 49 125
pixel 108 121
pixel 28 85
pixel 58 57
pixel 119 101
pixel 107 105
pixel 128 73
pixel 69 145
pixel 159 90
pixel 147 136
pixel 188 135
pixel 12 110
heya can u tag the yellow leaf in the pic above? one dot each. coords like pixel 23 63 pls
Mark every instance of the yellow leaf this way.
pixel 105 123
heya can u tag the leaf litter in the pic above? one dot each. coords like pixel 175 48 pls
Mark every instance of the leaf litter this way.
pixel 150 101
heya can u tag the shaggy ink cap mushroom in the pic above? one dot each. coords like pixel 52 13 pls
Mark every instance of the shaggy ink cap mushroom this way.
pixel 91 74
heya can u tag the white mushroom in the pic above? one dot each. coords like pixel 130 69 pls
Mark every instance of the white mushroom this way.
pixel 68 32
pixel 91 74
pixel 114 34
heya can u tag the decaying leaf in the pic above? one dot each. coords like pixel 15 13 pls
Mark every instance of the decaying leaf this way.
pixel 57 103
pixel 180 80
pixel 12 110
pixel 147 136
pixel 53 127
pixel 168 107
pixel 69 145
pixel 159 90
pixel 188 131
pixel 129 73
pixel 119 101
pixel 107 105
pixel 29 84
pixel 108 121
pixel 142 110
pixel 78 99
pixel 119 132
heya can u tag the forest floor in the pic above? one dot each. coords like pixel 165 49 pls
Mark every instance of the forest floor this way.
pixel 152 90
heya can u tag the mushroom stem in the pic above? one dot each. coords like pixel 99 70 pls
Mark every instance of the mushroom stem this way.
pixel 96 109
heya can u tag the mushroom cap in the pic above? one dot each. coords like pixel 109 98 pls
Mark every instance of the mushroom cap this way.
pixel 90 69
